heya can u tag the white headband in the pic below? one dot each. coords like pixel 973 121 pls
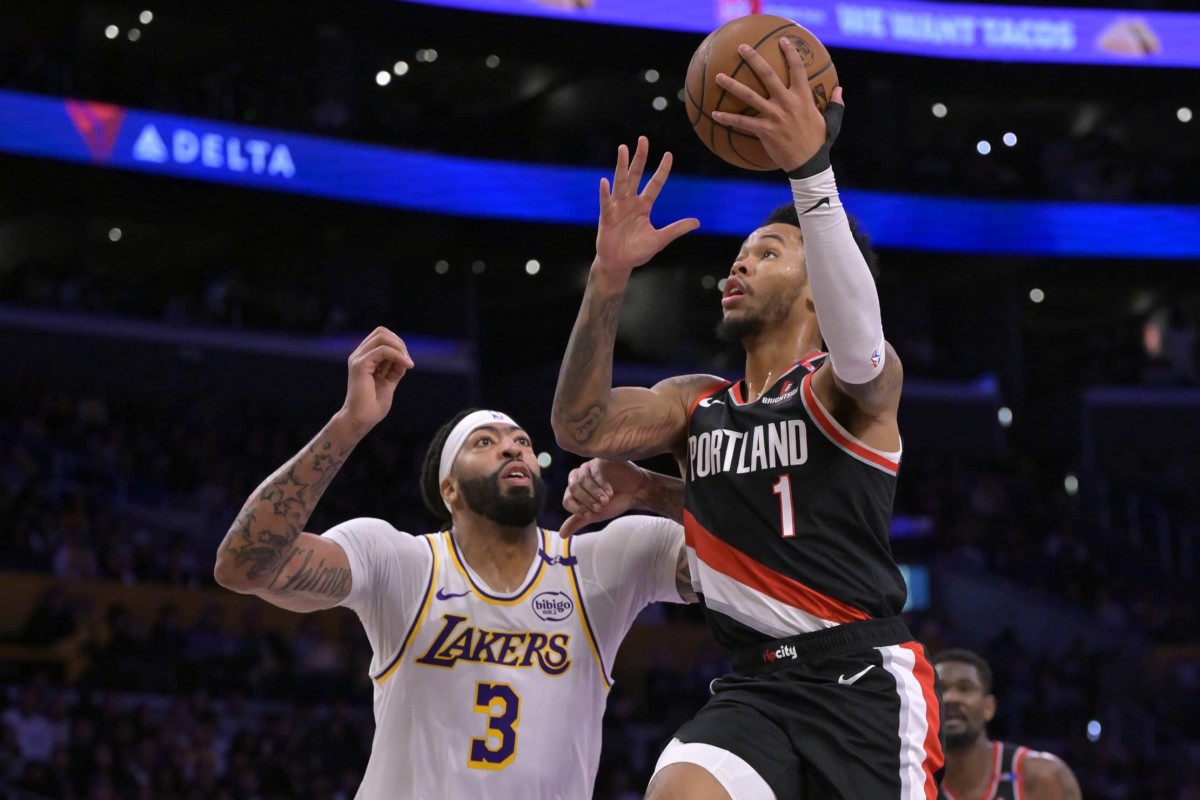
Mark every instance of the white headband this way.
pixel 458 437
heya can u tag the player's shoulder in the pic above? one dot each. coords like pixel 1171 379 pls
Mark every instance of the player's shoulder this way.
pixel 1040 769
pixel 622 535
pixel 690 388
pixel 371 531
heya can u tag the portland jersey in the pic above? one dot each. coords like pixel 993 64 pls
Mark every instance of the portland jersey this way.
pixel 1007 760
pixel 482 694
pixel 786 514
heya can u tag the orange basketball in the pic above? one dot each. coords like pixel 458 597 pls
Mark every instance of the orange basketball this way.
pixel 719 53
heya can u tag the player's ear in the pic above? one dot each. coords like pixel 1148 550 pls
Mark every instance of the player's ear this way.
pixel 448 489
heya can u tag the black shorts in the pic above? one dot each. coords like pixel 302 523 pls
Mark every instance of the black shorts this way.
pixel 852 712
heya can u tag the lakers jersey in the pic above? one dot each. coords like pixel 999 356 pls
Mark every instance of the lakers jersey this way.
pixel 481 694
pixel 787 514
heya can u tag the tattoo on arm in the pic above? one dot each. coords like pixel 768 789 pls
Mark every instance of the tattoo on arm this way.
pixel 663 496
pixel 683 577
pixel 585 378
pixel 260 544
pixel 309 578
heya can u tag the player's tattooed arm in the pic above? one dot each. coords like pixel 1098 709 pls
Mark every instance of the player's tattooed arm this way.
pixel 266 552
pixel 590 417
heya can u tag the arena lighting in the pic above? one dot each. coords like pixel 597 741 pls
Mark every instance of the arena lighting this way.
pixel 533 266
pixel 1036 295
pixel 134 34
pixel 1184 114
pixel 173 146
pixel 976 31
pixel 1071 484
pixel 1010 139
pixel 659 103
pixel 114 234
pixel 984 147
pixel 112 32
pixel 1005 416
pixel 441 267
pixel 400 68
pixel 146 17
pixel 939 110
pixel 478 267
pixel 708 282
pixel 492 62
pixel 383 77
pixel 651 76
pixel 544 459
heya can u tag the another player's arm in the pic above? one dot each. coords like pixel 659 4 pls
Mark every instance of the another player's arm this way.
pixel 1045 776
pixel 590 417
pixel 602 489
pixel 266 551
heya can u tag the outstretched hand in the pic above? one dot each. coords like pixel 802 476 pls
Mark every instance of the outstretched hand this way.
pixel 376 367
pixel 793 131
pixel 600 490
pixel 626 238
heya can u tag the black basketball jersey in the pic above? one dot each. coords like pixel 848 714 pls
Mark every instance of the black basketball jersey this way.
pixel 1006 774
pixel 786 514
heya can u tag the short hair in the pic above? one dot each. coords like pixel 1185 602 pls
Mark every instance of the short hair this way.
pixel 964 656
pixel 431 491
pixel 786 215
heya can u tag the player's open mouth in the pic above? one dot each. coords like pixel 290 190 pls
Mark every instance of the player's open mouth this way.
pixel 734 291
pixel 516 473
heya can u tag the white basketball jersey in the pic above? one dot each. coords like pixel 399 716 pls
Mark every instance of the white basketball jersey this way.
pixel 481 690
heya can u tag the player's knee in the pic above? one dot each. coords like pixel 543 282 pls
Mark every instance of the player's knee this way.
pixel 683 781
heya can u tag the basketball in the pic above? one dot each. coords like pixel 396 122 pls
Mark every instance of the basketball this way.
pixel 719 53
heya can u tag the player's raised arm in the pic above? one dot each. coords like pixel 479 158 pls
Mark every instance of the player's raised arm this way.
pixel 798 137
pixel 590 417
pixel 266 552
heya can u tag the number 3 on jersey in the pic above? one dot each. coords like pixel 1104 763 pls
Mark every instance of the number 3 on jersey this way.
pixel 783 488
pixel 498 747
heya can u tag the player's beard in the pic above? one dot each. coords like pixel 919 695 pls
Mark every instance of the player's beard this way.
pixel 514 508
pixel 962 740
pixel 737 329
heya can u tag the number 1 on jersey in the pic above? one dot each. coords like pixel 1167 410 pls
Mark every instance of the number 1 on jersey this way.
pixel 783 488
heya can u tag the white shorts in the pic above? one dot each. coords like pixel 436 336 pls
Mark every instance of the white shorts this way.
pixel 737 777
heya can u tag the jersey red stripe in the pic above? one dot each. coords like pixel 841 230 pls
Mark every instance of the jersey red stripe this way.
pixel 745 570
pixel 840 439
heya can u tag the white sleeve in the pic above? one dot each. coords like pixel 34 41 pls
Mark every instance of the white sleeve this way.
pixel 624 567
pixel 843 290
pixel 389 575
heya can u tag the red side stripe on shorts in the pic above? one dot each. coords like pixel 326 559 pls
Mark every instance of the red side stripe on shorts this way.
pixel 732 562
pixel 934 758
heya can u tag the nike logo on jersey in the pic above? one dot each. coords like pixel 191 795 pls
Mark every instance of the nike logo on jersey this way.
pixel 842 679
pixel 442 594
pixel 557 561
pixel 824 201
pixel 709 402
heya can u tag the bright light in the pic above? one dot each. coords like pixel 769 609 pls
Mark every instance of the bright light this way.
pixel 659 103
pixel 721 284
pixel 544 460
pixel 114 234
pixel 146 17
pixel 1071 484
pixel 400 68
pixel 134 34
pixel 428 55
pixel 651 76
pixel 1005 415
pixel 1093 731
pixel 939 110
pixel 478 267
pixel 383 77
pixel 984 147
pixel 681 94
pixel 708 281
pixel 1010 139
pixel 533 266
pixel 1184 114
pixel 421 55
pixel 441 267
pixel 112 31
pixel 492 62
pixel 1037 295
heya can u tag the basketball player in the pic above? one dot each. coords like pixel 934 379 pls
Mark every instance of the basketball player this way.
pixel 493 639
pixel 790 474
pixel 978 768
